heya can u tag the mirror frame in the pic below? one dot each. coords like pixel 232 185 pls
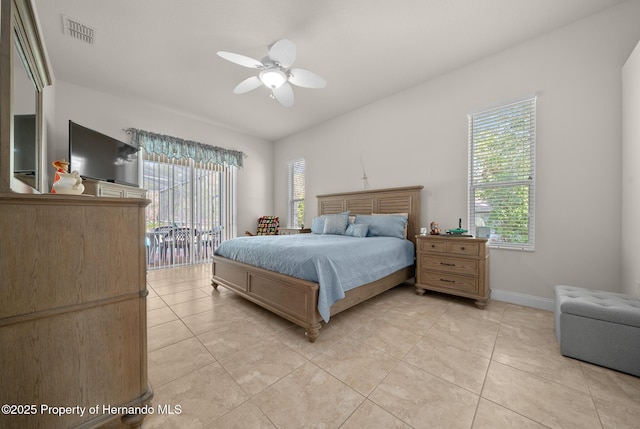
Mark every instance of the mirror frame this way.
pixel 19 30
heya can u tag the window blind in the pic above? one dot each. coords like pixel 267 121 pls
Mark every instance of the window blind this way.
pixel 191 209
pixel 296 193
pixel 502 174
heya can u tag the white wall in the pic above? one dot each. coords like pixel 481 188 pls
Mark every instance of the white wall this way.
pixel 630 174
pixel 110 115
pixel 419 137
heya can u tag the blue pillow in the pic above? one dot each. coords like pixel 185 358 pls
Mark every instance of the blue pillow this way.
pixel 336 223
pixel 317 225
pixel 385 226
pixel 357 230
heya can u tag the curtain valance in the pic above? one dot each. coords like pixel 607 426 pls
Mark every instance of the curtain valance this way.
pixel 174 147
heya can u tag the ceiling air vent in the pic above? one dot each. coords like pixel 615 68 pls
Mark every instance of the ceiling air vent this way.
pixel 78 30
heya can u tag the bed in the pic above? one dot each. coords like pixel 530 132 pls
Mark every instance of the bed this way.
pixel 296 299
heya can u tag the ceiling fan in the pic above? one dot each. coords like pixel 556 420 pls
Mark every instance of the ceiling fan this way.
pixel 275 72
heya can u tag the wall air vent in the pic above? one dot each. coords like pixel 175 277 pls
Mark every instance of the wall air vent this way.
pixel 78 30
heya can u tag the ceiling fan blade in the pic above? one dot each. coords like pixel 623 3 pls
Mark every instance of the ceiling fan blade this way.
pixel 247 85
pixel 306 79
pixel 284 95
pixel 241 60
pixel 283 52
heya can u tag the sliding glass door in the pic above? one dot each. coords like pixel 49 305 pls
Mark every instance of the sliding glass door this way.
pixel 190 208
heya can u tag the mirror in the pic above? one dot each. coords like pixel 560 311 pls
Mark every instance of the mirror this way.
pixel 25 147
pixel 23 76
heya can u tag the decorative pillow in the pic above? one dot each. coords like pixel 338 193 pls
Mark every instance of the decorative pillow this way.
pixel 385 226
pixel 406 215
pixel 336 223
pixel 357 230
pixel 317 225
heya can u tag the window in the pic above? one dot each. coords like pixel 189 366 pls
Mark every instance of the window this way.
pixel 190 211
pixel 191 187
pixel 296 193
pixel 501 174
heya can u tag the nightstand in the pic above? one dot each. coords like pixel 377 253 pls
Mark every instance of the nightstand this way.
pixel 292 231
pixel 454 265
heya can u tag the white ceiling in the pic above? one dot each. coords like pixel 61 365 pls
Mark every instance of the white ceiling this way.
pixel 164 51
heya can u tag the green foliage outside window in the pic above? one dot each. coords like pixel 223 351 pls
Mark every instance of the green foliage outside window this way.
pixel 296 193
pixel 299 214
pixel 501 172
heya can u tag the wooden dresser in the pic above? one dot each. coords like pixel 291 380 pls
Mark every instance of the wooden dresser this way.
pixel 73 316
pixel 454 265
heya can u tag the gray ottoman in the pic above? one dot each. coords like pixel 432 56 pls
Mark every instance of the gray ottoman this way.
pixel 599 327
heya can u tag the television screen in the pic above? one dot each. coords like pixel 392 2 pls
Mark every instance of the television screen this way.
pixel 100 157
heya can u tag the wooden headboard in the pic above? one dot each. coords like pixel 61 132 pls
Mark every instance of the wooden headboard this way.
pixel 383 201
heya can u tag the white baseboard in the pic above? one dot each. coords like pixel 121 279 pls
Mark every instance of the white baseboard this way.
pixel 522 299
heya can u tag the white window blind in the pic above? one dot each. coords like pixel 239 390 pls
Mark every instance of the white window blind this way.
pixel 296 193
pixel 191 209
pixel 502 174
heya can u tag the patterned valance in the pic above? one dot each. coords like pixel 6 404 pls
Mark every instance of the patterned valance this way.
pixel 177 148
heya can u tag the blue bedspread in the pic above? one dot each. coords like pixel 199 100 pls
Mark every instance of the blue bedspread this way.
pixel 336 262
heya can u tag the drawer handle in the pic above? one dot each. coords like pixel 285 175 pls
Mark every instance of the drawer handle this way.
pixel 462 248
pixel 447 280
pixel 447 264
pixel 433 246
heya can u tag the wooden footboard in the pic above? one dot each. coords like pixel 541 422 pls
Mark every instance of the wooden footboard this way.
pixel 294 299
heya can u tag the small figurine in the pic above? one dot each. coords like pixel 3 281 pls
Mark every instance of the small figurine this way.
pixel 435 229
pixel 65 183
pixel 61 166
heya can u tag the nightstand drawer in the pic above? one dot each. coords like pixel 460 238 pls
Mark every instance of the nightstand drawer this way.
pixel 457 247
pixel 293 231
pixel 449 281
pixel 449 265
pixel 469 248
pixel 437 246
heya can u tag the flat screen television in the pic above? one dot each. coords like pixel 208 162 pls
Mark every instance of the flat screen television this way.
pixel 97 156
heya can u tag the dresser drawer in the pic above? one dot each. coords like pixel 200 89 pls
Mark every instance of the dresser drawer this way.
pixel 449 265
pixel 110 192
pixel 450 281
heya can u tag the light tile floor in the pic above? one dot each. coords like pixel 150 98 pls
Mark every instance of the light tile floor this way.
pixel 397 361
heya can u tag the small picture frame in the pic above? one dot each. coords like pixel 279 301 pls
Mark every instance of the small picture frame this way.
pixel 483 231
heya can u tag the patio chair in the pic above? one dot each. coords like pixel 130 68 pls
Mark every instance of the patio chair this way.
pixel 209 240
pixel 178 238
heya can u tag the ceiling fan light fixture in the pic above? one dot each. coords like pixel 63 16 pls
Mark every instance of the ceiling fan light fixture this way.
pixel 273 78
pixel 275 72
